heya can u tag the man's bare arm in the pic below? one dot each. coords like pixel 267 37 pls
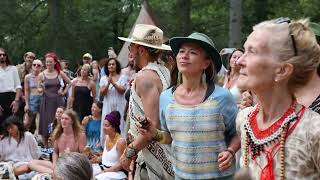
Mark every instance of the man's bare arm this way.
pixel 148 87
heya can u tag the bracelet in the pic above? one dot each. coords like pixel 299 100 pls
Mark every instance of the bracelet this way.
pixel 131 152
pixel 231 151
pixel 159 137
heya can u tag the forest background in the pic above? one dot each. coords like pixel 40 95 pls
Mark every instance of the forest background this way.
pixel 71 28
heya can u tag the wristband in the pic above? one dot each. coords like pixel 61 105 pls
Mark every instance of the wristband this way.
pixel 231 151
pixel 131 153
pixel 160 137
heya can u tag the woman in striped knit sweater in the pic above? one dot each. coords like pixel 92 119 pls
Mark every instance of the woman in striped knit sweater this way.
pixel 198 117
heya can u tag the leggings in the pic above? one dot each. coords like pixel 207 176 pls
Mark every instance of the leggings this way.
pixel 6 99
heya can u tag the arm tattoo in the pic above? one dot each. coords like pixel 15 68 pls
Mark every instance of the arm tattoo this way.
pixel 147 85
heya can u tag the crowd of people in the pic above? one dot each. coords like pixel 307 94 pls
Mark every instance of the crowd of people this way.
pixel 179 110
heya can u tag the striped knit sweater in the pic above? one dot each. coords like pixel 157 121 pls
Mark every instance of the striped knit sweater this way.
pixel 199 133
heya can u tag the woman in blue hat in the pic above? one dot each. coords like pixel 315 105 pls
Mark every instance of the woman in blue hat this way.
pixel 197 116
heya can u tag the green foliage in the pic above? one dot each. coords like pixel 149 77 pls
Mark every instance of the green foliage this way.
pixel 92 26
pixel 84 26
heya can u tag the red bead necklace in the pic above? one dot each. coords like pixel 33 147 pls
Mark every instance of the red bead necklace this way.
pixel 258 139
pixel 260 134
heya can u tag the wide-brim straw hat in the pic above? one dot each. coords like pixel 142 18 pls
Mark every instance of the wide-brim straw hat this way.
pixel 201 39
pixel 147 35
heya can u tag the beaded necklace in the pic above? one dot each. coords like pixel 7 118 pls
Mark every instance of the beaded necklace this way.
pixel 260 138
pixel 257 140
pixel 113 141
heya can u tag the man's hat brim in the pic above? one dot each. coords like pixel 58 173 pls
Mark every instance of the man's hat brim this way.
pixel 162 46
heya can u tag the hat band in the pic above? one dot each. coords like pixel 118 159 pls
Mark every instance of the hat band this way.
pixel 152 40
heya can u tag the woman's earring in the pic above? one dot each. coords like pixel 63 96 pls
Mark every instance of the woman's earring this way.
pixel 204 78
pixel 179 79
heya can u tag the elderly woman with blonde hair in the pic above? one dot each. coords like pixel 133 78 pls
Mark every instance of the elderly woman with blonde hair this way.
pixel 70 166
pixel 83 93
pixel 73 166
pixel 279 137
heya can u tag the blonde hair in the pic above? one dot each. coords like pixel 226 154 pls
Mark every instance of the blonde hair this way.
pixel 73 166
pixel 306 60
pixel 29 53
pixel 38 60
pixel 76 127
pixel 87 67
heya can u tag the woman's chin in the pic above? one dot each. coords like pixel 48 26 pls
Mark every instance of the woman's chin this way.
pixel 242 84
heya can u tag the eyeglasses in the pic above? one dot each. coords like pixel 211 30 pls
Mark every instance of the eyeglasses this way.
pixel 287 20
pixel 4 55
pixel 36 65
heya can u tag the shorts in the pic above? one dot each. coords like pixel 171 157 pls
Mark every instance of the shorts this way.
pixel 34 103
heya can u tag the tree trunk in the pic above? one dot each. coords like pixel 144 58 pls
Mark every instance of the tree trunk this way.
pixel 184 16
pixel 55 24
pixel 235 24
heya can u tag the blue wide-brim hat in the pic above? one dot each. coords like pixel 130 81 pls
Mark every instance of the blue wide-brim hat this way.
pixel 201 39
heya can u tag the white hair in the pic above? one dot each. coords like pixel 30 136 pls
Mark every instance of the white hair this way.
pixel 73 166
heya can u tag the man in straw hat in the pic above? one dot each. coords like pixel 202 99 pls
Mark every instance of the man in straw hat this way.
pixel 153 161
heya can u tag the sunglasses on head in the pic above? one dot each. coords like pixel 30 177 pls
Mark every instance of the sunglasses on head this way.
pixel 287 20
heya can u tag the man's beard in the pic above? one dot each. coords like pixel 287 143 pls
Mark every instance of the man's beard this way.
pixel 130 64
pixel 136 60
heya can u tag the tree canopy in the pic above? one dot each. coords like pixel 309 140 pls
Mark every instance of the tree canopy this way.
pixel 71 28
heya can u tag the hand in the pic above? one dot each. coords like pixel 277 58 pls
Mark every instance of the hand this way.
pixel 125 162
pixel 87 151
pixel 26 108
pixel 60 92
pixel 85 120
pixel 146 128
pixel 111 80
pixel 14 106
pixel 225 159
pixel 40 90
pixel 246 100
pixel 95 159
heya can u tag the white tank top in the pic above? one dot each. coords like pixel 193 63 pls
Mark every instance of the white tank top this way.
pixel 110 158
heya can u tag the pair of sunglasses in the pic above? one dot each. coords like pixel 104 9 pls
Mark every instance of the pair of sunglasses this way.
pixel 36 65
pixel 287 20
